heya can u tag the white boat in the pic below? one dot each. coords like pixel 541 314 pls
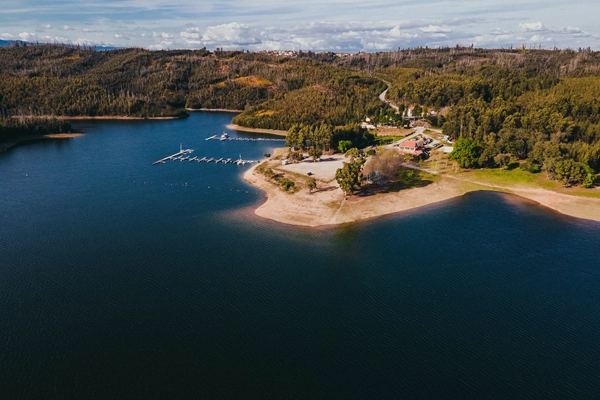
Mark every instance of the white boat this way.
pixel 224 136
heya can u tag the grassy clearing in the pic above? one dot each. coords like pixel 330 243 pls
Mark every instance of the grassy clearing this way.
pixel 387 132
pixel 253 81
pixel 265 113
pixel 506 177
pixel 517 177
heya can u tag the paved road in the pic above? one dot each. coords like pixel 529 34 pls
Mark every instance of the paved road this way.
pixel 389 103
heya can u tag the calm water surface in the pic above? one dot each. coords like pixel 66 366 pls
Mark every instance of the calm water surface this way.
pixel 120 279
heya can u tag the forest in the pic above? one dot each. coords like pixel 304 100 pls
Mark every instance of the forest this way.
pixel 536 106
pixel 539 107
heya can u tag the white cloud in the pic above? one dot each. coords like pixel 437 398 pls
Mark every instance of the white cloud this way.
pixel 499 32
pixel 532 27
pixel 229 34
pixel 27 36
pixel 163 35
pixel 540 39
pixel 57 39
pixel 46 26
pixel 395 32
pixel 435 29
pixel 67 28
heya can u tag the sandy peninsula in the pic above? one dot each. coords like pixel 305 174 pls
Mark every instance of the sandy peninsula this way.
pixel 329 206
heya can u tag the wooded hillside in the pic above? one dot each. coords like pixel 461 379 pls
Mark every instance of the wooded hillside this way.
pixel 540 106
pixel 536 105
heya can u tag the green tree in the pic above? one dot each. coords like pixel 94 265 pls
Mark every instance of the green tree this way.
pixel 347 178
pixel 350 175
pixel 502 160
pixel 291 139
pixel 312 184
pixel 466 153
pixel 315 153
pixel 344 145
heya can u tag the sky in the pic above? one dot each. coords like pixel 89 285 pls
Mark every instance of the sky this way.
pixel 317 25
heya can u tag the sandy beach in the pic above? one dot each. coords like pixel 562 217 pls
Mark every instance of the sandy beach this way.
pixel 329 206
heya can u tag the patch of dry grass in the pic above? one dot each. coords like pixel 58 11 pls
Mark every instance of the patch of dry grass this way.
pixel 253 81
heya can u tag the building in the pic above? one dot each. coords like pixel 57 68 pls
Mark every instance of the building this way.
pixel 411 147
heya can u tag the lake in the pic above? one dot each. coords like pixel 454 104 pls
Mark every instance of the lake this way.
pixel 123 279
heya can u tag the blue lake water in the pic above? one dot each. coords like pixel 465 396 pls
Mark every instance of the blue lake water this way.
pixel 120 279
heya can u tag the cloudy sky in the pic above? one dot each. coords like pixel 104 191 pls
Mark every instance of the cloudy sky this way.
pixel 318 25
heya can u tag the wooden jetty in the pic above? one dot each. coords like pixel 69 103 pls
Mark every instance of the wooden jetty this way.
pixel 215 137
pixel 181 156
pixel 177 155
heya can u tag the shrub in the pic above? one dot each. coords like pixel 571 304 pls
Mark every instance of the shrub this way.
pixel 531 167
pixel 286 184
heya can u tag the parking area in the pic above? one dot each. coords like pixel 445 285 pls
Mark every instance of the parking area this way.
pixel 323 170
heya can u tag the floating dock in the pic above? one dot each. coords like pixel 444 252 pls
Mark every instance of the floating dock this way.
pixel 181 156
pixel 207 160
pixel 176 156
pixel 215 137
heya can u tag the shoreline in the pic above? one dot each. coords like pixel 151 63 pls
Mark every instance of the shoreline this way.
pixel 101 117
pixel 5 146
pixel 239 128
pixel 115 117
pixel 328 207
pixel 215 110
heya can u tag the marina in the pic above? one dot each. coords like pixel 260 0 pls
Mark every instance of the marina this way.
pixel 181 156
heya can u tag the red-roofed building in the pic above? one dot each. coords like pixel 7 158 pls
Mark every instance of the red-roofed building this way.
pixel 411 147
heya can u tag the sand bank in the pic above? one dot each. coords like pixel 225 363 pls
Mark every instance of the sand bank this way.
pixel 329 206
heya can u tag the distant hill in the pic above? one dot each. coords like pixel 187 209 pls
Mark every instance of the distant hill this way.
pixel 6 43
pixel 43 79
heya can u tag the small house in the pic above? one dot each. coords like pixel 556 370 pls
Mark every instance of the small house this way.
pixel 411 147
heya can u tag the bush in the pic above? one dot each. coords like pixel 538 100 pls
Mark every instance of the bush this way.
pixel 286 184
pixel 531 167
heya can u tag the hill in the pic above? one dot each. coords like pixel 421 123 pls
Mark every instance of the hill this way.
pixel 537 107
